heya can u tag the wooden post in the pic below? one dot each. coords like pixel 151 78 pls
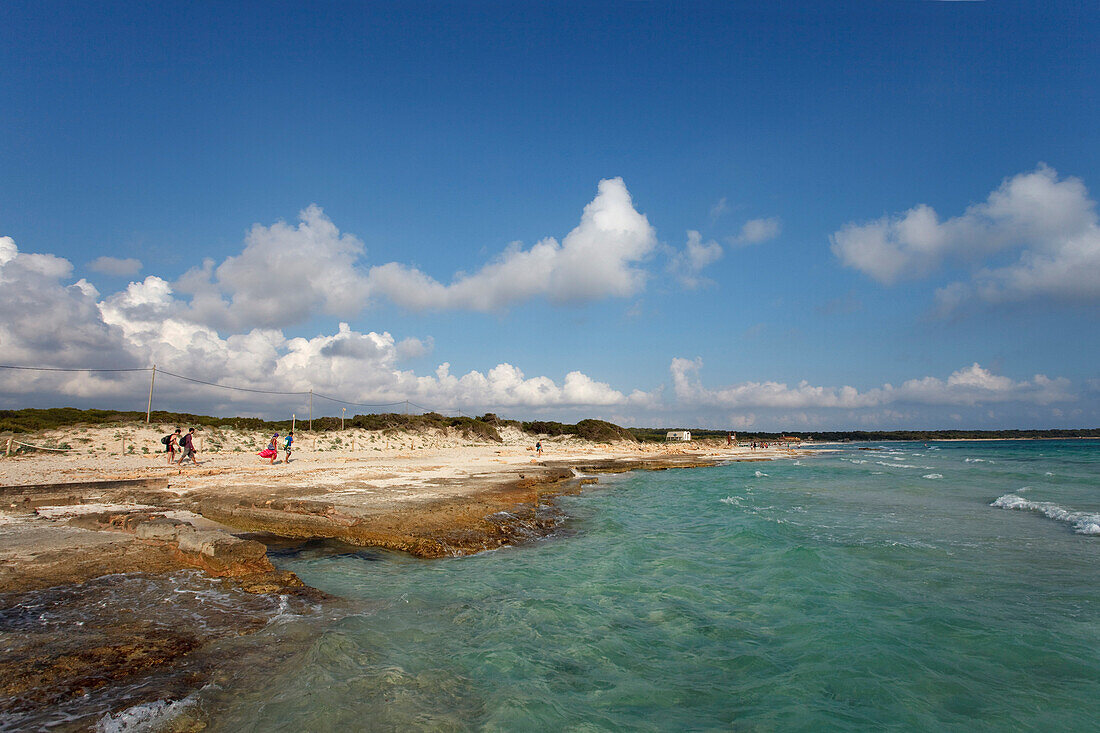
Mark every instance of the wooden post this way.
pixel 293 417
pixel 10 441
pixel 342 416
pixel 149 406
pixel 311 409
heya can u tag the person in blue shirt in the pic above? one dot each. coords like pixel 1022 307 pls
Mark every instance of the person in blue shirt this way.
pixel 286 447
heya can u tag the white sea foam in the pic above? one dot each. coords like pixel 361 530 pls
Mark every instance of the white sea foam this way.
pixel 145 717
pixel 1082 522
pixel 732 500
pixel 933 475
pixel 974 460
pixel 896 465
pixel 1049 473
pixel 760 473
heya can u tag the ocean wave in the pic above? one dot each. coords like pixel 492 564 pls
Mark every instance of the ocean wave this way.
pixel 760 474
pixel 732 500
pixel 932 475
pixel 147 716
pixel 1082 522
pixel 896 465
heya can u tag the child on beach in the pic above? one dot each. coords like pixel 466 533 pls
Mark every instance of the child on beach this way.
pixel 538 447
pixel 286 447
pixel 272 450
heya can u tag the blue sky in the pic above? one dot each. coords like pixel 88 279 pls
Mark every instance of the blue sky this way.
pixel 763 215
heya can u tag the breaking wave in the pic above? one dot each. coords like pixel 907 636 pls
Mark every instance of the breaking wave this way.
pixel 1082 522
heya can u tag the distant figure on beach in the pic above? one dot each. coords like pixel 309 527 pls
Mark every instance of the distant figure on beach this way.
pixel 171 442
pixel 188 447
pixel 272 449
pixel 729 439
pixel 538 447
pixel 287 445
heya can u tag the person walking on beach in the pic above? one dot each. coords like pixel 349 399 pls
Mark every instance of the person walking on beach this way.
pixel 171 445
pixel 188 447
pixel 538 448
pixel 272 448
pixel 286 447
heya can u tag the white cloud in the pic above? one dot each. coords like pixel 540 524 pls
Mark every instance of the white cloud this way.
pixel 755 231
pixel 970 386
pixel 719 208
pixel 287 274
pixel 284 275
pixel 42 316
pixel 687 264
pixel 115 266
pixel 1049 224
pixel 44 322
pixel 598 259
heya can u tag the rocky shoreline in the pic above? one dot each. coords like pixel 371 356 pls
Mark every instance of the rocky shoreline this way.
pixel 66 539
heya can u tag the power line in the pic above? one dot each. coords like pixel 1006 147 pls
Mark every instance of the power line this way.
pixel 357 404
pixel 226 386
pixel 63 369
pixel 239 389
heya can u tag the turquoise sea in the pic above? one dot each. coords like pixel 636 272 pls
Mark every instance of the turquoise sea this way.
pixel 902 586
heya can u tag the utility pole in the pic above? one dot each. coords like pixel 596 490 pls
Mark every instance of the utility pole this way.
pixel 342 416
pixel 311 409
pixel 149 405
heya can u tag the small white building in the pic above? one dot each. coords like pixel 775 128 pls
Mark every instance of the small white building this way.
pixel 671 435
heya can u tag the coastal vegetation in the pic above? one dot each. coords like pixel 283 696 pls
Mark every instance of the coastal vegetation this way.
pixel 485 427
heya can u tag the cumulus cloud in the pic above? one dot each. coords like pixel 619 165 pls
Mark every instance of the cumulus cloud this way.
pixel 115 266
pixel 598 259
pixel 46 322
pixel 973 385
pixel 41 313
pixel 1046 224
pixel 285 275
pixel 687 264
pixel 755 231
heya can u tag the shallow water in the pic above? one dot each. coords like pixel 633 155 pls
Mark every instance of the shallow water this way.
pixel 855 590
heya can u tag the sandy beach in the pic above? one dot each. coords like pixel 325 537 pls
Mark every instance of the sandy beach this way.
pixel 431 493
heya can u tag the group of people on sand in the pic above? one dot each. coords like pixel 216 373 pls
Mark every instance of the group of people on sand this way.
pixel 185 444
pixel 272 449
